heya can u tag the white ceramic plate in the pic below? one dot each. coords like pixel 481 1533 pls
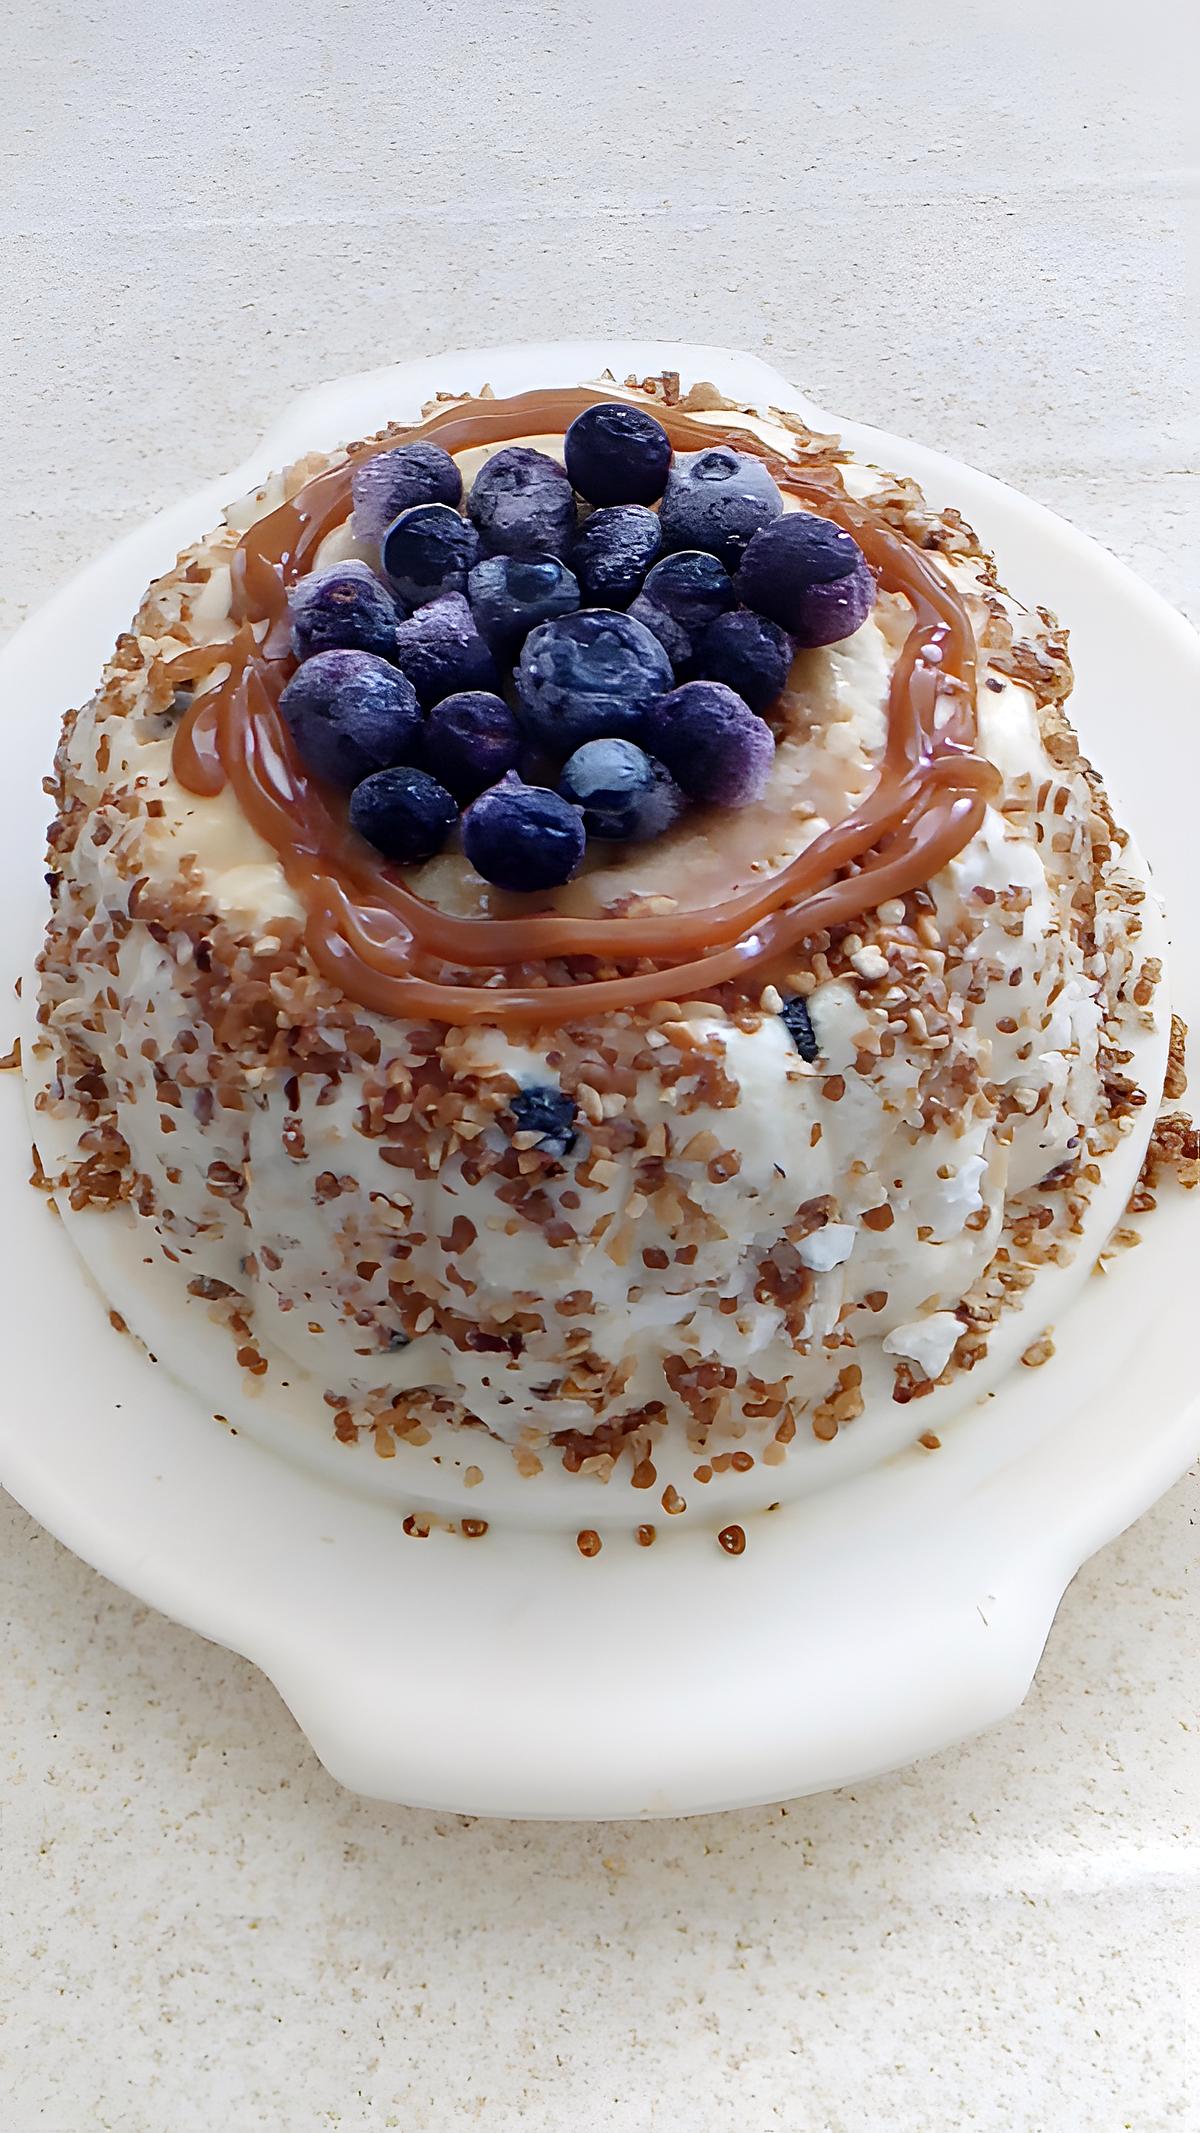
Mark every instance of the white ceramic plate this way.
pixel 893 1605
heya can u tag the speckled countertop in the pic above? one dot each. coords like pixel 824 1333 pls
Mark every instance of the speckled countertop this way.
pixel 966 226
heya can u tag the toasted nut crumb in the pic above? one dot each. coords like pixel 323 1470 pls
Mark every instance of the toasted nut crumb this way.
pixel 1038 1352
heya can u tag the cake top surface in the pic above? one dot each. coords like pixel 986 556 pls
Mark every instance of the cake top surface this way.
pixel 865 770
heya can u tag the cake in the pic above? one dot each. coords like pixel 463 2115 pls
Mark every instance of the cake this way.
pixel 737 990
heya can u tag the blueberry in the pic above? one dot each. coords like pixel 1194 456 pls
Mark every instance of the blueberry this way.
pixel 523 837
pixel 617 454
pixel 550 1114
pixel 426 552
pixel 523 503
pixel 749 654
pixel 405 814
pixel 344 608
pixel 588 675
pixel 623 792
pixel 681 596
pixel 351 713
pixel 712 743
pixel 797 1021
pixel 717 500
pixel 613 551
pixel 510 594
pixel 470 741
pixel 388 482
pixel 441 651
pixel 809 576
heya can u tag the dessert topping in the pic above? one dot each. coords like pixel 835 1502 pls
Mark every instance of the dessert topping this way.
pixel 713 744
pixel 427 551
pixel 613 551
pixel 342 609
pixel 809 576
pixel 587 677
pixel 523 504
pixel 681 596
pixel 442 652
pixel 624 794
pixel 523 837
pixel 350 713
pixel 748 653
pixel 404 813
pixel 510 595
pixel 420 472
pixel 718 499
pixel 471 740
pixel 617 454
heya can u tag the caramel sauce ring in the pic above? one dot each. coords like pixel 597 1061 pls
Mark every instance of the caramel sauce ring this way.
pixel 196 756
pixel 925 805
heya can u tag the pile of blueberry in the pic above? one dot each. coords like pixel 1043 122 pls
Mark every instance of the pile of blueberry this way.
pixel 540 673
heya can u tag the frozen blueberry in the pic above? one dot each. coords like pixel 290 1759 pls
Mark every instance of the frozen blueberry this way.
pixel 549 1113
pixel 428 551
pixel 617 454
pixel 623 792
pixel 471 740
pixel 797 1021
pixel 613 551
pixel 404 813
pixel 717 500
pixel 587 675
pixel 681 596
pixel 510 594
pixel 344 608
pixel 351 713
pixel 441 651
pixel 523 503
pixel 388 482
pixel 809 576
pixel 712 743
pixel 523 837
pixel 748 653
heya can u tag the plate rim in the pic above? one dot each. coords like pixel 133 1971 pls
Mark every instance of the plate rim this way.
pixel 335 1725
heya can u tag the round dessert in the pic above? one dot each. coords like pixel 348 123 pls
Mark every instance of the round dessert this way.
pixel 586 926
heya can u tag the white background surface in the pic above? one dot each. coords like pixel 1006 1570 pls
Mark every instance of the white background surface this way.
pixel 966 228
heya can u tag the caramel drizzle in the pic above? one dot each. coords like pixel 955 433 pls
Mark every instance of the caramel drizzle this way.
pixel 368 932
